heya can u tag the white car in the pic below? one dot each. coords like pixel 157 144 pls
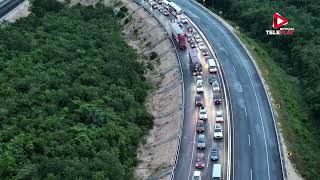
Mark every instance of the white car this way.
pixel 215 86
pixel 219 116
pixel 201 141
pixel 202 46
pixel 198 40
pixel 218 132
pixel 199 79
pixel 196 35
pixel 203 113
pixel 184 20
pixel 197 175
pixel 199 87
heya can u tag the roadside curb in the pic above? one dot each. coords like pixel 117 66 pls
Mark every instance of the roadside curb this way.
pixel 231 30
pixel 181 124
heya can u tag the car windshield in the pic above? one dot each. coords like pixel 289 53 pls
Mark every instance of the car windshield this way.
pixel 203 112
pixel 219 115
pixel 217 95
pixel 199 124
pixel 201 140
pixel 199 159
pixel 199 85
pixel 218 130
pixel 212 77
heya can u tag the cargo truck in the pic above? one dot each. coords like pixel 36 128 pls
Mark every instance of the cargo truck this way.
pixel 179 35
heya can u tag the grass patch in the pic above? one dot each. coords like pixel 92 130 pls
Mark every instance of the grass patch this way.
pixel 300 135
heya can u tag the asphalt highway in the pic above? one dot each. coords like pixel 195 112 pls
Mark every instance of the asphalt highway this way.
pixel 256 152
pixel 188 152
pixel 7 5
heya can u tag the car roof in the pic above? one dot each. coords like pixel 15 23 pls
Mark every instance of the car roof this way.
pixel 219 113
pixel 200 155
pixel 197 173
pixel 213 76
pixel 201 136
pixel 200 121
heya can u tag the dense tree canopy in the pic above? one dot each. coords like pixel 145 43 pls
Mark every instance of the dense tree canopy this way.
pixel 71 95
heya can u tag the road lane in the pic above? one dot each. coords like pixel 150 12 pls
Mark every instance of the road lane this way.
pixel 246 90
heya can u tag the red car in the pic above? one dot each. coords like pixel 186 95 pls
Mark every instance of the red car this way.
pixel 200 161
pixel 200 126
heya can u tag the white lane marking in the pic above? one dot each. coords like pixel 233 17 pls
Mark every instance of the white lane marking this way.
pixel 245 110
pixel 208 160
pixel 240 88
pixel 194 139
pixel 241 58
pixel 250 174
pixel 234 68
pixel 225 51
pixel 249 140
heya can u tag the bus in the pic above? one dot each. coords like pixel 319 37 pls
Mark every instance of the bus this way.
pixel 175 9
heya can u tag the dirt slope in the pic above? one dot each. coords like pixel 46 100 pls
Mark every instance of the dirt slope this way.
pixel 145 34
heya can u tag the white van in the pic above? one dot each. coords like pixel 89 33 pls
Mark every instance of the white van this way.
pixel 212 66
pixel 216 173
pixel 197 175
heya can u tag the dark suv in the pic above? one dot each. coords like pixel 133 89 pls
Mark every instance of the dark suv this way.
pixel 200 126
pixel 217 97
pixel 198 100
pixel 212 78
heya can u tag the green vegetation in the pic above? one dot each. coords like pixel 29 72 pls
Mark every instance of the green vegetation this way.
pixel 71 94
pixel 292 68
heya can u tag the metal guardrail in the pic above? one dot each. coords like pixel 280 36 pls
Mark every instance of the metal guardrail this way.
pixel 230 28
pixel 181 124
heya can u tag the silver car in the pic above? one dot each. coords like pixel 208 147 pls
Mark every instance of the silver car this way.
pixel 215 86
pixel 201 141
pixel 218 133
